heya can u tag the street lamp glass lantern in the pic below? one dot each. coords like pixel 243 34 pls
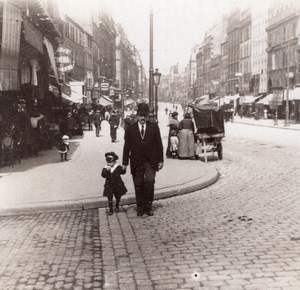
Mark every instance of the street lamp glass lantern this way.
pixel 156 77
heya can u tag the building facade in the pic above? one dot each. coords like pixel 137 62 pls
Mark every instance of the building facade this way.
pixel 245 87
pixel 284 55
pixel 233 33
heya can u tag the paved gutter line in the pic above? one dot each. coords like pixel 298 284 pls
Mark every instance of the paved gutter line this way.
pixel 268 126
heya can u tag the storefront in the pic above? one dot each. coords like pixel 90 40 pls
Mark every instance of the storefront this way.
pixel 27 57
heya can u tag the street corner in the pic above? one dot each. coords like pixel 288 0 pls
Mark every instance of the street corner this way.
pixel 191 175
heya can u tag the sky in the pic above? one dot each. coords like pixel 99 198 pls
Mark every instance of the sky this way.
pixel 177 25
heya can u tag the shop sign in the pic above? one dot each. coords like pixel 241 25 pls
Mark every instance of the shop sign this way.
pixel 64 59
pixel 104 87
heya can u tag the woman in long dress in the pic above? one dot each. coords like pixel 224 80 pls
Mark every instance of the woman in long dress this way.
pixel 186 148
pixel 173 125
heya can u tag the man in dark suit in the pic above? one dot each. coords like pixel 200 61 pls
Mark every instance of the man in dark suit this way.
pixel 143 146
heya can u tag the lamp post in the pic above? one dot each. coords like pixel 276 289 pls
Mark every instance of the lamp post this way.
pixel 287 109
pixel 156 79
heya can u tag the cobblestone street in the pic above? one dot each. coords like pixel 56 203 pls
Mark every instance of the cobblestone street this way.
pixel 240 233
pixel 51 251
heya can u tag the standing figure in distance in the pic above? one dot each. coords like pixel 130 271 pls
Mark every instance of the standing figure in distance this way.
pixel 97 122
pixel 114 124
pixel 186 148
pixel 70 125
pixel 63 148
pixel 114 185
pixel 143 146
pixel 173 125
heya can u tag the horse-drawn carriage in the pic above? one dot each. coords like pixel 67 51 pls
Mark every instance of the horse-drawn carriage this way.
pixel 209 121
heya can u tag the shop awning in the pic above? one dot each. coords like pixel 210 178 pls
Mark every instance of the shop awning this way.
pixel 50 51
pixel 227 99
pixel 248 99
pixel 266 100
pixel 294 94
pixel 200 100
pixel 74 98
pixel 259 97
pixel 129 102
pixel 105 101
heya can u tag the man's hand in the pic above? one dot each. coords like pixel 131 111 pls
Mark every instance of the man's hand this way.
pixel 124 167
pixel 160 165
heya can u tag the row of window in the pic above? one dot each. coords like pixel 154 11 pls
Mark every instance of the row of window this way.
pixel 75 34
pixel 245 50
pixel 282 34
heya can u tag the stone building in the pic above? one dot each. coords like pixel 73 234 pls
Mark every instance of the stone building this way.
pixel 233 33
pixel 245 53
pixel 127 70
pixel 284 55
pixel 224 85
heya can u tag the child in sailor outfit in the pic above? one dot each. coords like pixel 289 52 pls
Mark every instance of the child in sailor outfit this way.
pixel 114 185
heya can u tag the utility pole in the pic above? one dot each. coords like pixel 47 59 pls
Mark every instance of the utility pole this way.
pixel 151 107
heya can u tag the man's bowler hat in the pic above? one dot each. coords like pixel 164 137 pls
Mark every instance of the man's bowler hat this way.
pixel 143 109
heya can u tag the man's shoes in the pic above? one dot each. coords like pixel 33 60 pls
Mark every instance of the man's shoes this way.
pixel 149 212
pixel 140 213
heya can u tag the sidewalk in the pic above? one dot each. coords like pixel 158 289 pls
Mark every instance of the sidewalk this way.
pixel 266 123
pixel 45 184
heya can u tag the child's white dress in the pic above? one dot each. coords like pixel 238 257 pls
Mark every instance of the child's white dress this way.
pixel 174 143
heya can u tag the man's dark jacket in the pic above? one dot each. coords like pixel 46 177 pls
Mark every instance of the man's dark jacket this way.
pixel 139 150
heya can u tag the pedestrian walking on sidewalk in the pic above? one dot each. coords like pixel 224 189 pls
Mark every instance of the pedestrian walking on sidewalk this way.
pixel 143 146
pixel 114 185
pixel 90 120
pixel 114 124
pixel 97 122
pixel 71 122
pixel 63 148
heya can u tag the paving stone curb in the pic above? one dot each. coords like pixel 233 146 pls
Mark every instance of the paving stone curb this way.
pixel 211 176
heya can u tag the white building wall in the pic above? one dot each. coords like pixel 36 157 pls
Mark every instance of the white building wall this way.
pixel 118 61
pixel 217 32
pixel 259 43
